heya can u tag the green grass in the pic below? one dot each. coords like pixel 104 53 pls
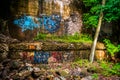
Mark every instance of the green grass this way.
pixel 66 38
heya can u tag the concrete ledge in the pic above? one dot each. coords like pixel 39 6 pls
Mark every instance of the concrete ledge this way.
pixel 53 46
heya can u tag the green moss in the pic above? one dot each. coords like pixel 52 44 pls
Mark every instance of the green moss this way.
pixel 66 38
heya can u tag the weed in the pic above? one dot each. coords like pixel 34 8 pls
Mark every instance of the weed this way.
pixel 40 36
pixel 109 69
pixel 95 76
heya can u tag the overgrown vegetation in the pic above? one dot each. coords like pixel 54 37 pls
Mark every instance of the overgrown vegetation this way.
pixel 111 11
pixel 66 38
pixel 100 68
pixel 40 37
pixel 109 69
pixel 95 76
pixel 111 48
pixel 81 62
pixel 98 11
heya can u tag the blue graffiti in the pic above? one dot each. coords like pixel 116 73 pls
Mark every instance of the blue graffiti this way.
pixel 41 57
pixel 51 23
pixel 26 22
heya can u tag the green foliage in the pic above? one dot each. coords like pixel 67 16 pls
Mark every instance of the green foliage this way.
pixel 40 36
pixel 79 38
pixel 91 2
pixel 111 11
pixel 96 9
pixel 102 67
pixel 111 48
pixel 105 68
pixel 109 69
pixel 81 62
pixel 89 20
pixel 95 76
pixel 116 69
pixel 66 38
pixel 74 38
pixel 86 37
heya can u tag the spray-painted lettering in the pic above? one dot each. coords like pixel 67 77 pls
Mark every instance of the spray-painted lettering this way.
pixel 51 23
pixel 41 57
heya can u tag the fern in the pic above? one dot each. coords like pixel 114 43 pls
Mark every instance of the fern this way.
pixel 111 48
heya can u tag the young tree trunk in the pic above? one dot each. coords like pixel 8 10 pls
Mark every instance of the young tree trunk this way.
pixel 96 34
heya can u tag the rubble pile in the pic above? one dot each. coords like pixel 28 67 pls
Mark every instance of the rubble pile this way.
pixel 22 70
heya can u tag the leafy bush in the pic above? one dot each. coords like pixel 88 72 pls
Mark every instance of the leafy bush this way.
pixel 93 7
pixel 111 48
pixel 90 20
pixel 116 69
pixel 109 69
pixel 105 68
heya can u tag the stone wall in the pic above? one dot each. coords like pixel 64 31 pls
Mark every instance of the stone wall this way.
pixel 33 7
pixel 67 51
pixel 21 7
pixel 71 17
pixel 70 22
pixel 61 51
pixel 57 6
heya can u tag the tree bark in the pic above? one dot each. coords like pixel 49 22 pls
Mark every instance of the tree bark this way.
pixel 96 34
